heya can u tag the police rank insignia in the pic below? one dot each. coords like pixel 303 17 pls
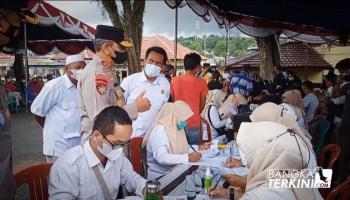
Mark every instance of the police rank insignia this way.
pixel 101 83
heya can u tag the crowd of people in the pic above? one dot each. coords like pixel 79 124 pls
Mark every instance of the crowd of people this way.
pixel 88 118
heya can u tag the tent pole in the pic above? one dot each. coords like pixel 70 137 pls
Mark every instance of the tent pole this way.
pixel 226 49
pixel 26 63
pixel 175 43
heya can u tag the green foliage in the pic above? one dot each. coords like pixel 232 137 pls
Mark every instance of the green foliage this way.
pixel 216 45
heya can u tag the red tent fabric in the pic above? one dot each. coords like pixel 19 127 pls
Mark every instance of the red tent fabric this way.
pixel 57 29
pixel 300 21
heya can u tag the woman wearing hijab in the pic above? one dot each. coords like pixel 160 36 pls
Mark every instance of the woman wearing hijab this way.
pixel 273 141
pixel 214 100
pixel 166 141
pixel 238 101
pixel 294 98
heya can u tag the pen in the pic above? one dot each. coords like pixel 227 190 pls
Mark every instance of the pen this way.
pixel 193 148
pixel 217 183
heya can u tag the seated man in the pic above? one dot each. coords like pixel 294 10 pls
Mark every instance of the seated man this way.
pixel 83 171
pixel 166 140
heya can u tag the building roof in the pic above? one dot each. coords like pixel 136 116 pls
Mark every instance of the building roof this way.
pixel 147 42
pixel 293 55
pixel 167 45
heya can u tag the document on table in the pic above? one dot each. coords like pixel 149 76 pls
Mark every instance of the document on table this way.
pixel 241 171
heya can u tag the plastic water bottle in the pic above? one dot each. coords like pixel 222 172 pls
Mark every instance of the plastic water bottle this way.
pixel 208 181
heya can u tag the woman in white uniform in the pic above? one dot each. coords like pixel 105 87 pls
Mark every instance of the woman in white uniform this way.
pixel 166 141
pixel 214 100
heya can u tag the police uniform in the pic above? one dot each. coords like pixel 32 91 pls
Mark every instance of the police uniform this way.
pixel 98 88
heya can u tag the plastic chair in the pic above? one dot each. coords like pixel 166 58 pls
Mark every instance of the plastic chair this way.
pixel 36 177
pixel 333 150
pixel 341 192
pixel 206 123
pixel 318 131
pixel 136 154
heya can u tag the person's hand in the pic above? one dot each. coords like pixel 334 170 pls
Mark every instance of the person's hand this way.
pixel 8 114
pixel 142 104
pixel 194 157
pixel 204 146
pixel 231 163
pixel 219 192
pixel 236 180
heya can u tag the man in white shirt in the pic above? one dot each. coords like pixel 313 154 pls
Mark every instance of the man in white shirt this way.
pixel 96 169
pixel 156 89
pixel 56 110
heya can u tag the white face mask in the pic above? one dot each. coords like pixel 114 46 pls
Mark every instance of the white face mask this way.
pixel 76 73
pixel 111 154
pixel 243 158
pixel 152 70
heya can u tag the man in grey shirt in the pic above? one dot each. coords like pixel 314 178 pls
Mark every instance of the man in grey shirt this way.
pixel 310 100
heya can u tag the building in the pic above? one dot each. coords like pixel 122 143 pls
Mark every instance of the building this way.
pixel 297 56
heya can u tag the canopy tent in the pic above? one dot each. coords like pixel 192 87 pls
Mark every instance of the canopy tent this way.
pixel 321 22
pixel 57 28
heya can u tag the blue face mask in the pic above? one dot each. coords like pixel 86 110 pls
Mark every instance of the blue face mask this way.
pixel 181 125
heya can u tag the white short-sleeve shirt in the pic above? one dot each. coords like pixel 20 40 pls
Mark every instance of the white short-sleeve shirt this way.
pixel 157 93
pixel 58 103
pixel 72 175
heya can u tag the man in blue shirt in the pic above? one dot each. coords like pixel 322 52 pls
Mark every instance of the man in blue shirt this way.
pixel 241 83
pixel 310 100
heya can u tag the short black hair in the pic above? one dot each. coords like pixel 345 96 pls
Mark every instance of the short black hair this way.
pixel 106 120
pixel 191 61
pixel 206 64
pixel 158 50
pixel 308 84
pixel 331 77
pixel 343 64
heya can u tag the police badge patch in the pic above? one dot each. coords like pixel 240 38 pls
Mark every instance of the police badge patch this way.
pixel 101 83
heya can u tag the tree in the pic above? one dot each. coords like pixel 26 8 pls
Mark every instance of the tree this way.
pixel 131 20
pixel 269 56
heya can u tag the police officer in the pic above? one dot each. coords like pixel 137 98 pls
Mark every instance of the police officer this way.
pixel 98 87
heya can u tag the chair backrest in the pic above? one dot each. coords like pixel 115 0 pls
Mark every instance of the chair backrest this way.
pixel 341 192
pixel 36 177
pixel 318 131
pixel 135 155
pixel 206 123
pixel 333 150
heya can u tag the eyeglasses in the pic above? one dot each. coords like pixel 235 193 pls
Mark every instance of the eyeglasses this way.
pixel 115 146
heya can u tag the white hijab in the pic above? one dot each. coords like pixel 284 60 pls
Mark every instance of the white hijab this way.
pixel 280 153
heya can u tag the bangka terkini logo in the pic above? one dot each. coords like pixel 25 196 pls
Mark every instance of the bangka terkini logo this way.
pixel 305 178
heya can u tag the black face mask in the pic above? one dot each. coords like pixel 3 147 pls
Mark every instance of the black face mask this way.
pixel 120 57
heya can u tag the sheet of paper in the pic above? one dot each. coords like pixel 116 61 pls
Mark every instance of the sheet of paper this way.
pixel 242 171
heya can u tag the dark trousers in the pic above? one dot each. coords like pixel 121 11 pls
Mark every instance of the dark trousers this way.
pixel 342 165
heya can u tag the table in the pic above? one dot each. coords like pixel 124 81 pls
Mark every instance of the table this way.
pixel 174 182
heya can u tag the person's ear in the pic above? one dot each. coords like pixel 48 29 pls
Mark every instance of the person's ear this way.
pixel 105 49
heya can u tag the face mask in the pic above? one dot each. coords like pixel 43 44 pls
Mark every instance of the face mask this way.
pixel 111 154
pixel 243 158
pixel 120 57
pixel 152 70
pixel 76 73
pixel 181 125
